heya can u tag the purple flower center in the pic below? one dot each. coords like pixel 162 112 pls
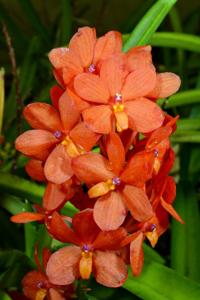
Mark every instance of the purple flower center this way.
pixel 57 134
pixel 118 97
pixel 156 152
pixel 153 226
pixel 40 285
pixel 86 248
pixel 92 68
pixel 116 181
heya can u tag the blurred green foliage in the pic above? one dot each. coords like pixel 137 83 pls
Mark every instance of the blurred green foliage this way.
pixel 34 27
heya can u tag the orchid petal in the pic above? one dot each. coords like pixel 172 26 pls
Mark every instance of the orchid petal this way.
pixel 42 116
pixel 33 142
pixel 62 267
pixel 169 208
pixel 98 118
pixel 91 168
pixel 84 226
pixel 138 57
pixel 53 197
pixel 115 151
pixel 91 88
pixel 35 170
pixel 55 93
pixel 167 84
pixel 139 169
pixel 145 114
pixel 110 211
pixel 109 269
pixel 112 74
pixel 26 217
pixel 68 112
pixel 110 240
pixel 61 231
pixel 137 255
pixel 107 45
pixel 84 136
pixel 139 83
pixel 82 43
pixel 55 295
pixel 138 203
pixel 57 168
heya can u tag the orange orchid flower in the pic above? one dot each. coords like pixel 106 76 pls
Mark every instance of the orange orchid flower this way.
pixel 54 198
pixel 36 285
pixel 118 94
pixel 85 53
pixel 119 188
pixel 151 229
pixel 95 251
pixel 56 138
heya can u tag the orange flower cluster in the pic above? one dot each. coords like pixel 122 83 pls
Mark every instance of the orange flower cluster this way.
pixel 104 146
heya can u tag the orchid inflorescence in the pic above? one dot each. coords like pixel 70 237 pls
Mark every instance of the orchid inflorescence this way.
pixel 103 144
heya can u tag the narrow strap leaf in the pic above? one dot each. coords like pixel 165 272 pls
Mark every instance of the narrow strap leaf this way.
pixel 149 24
pixel 178 237
pixel 176 40
pixel 32 191
pixel 66 22
pixel 188 124
pixel 183 98
pixel 1 97
pixel 34 19
pixel 159 282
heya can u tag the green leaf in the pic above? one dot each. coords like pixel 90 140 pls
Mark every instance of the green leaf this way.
pixel 159 282
pixel 30 235
pixel 151 254
pixel 193 237
pixel 4 296
pixel 14 264
pixel 183 98
pixel 12 204
pixel 194 163
pixel 186 136
pixel 21 187
pixel 176 40
pixel 1 97
pixel 32 16
pixel 149 24
pixel 186 237
pixel 66 22
pixel 14 30
pixel 179 235
pixel 28 68
pixel 188 124
pixel 28 190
